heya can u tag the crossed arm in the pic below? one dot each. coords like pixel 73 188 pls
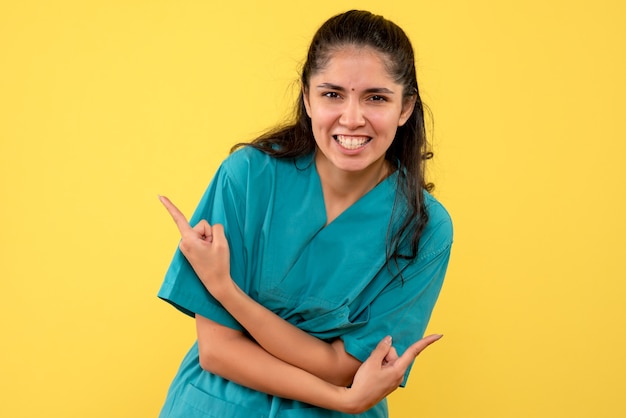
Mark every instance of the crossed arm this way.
pixel 281 359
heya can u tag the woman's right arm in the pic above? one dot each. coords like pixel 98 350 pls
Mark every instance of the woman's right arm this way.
pixel 231 354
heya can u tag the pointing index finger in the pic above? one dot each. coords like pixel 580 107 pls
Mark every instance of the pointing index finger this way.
pixel 177 215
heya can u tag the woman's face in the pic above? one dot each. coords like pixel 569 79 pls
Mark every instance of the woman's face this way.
pixel 355 109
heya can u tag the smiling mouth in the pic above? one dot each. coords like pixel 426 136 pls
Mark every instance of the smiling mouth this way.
pixel 351 142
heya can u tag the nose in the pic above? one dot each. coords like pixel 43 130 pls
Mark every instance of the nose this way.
pixel 352 115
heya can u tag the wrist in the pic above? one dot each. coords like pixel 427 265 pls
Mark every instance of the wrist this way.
pixel 221 289
pixel 226 292
pixel 346 402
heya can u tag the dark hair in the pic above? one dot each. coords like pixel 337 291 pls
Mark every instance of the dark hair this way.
pixel 409 148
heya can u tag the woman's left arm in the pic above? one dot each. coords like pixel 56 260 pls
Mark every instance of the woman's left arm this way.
pixel 206 249
pixel 328 361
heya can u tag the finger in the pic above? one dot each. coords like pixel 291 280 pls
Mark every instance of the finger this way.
pixel 382 349
pixel 391 356
pixel 204 230
pixel 218 233
pixel 177 215
pixel 414 350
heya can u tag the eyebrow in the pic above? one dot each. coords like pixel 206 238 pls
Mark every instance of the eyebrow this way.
pixel 380 90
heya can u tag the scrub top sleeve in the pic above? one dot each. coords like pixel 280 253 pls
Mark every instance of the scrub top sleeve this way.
pixel 181 287
pixel 404 307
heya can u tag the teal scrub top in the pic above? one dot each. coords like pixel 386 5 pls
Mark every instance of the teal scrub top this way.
pixel 331 281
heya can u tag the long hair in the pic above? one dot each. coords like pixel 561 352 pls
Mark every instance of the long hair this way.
pixel 409 149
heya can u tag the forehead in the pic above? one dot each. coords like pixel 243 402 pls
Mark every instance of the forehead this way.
pixel 355 63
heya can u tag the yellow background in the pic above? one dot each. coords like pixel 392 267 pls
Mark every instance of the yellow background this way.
pixel 106 104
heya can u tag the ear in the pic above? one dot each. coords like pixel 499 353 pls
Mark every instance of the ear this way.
pixel 305 98
pixel 407 109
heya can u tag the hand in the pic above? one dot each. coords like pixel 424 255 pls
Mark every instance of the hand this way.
pixel 382 373
pixel 206 249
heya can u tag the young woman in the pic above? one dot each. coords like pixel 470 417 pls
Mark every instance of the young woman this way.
pixel 315 245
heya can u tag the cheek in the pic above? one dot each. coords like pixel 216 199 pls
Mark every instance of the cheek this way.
pixel 322 118
pixel 384 123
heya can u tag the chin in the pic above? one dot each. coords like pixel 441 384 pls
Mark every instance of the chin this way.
pixel 352 166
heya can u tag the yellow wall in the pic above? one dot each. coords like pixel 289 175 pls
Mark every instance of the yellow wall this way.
pixel 106 104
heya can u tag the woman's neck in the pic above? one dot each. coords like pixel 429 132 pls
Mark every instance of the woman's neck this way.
pixel 343 188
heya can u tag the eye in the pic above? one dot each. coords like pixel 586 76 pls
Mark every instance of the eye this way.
pixel 331 94
pixel 378 98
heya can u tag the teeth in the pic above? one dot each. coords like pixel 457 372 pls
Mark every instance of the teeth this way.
pixel 351 142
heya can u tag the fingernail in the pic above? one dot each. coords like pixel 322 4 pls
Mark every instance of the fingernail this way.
pixel 388 339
